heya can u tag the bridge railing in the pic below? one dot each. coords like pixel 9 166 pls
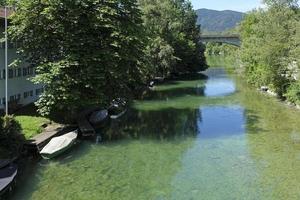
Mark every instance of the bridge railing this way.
pixel 236 36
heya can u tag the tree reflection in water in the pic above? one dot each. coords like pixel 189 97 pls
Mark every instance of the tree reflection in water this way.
pixel 167 124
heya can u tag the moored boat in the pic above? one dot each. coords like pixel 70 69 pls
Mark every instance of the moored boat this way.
pixel 4 163
pixel 118 115
pixel 58 145
pixel 117 109
pixel 8 173
pixel 98 118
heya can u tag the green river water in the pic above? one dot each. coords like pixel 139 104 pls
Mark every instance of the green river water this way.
pixel 204 137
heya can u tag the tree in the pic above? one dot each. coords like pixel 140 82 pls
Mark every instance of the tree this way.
pixel 11 140
pixel 282 3
pixel 84 51
pixel 266 47
pixel 186 42
pixel 2 2
pixel 90 51
pixel 173 37
pixel 293 91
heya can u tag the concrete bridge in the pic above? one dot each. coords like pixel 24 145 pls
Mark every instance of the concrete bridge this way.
pixel 228 39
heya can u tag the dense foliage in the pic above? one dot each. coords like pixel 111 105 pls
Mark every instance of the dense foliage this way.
pixel 10 138
pixel 84 51
pixel 270 48
pixel 2 2
pixel 213 21
pixel 173 37
pixel 91 51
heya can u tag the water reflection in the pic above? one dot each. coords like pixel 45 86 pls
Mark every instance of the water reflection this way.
pixel 167 124
pixel 221 121
pixel 186 85
pixel 218 83
pixel 195 90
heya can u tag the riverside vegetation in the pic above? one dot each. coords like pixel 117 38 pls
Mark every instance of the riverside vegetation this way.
pixel 10 139
pixel 269 55
pixel 270 48
pixel 91 51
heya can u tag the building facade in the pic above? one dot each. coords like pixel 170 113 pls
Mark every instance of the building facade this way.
pixel 21 91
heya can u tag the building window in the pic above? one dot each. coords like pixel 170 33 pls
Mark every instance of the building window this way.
pixel 12 98
pixel 25 71
pixel 25 95
pixel 2 74
pixel 3 101
pixel 19 72
pixel 30 71
pixel 10 73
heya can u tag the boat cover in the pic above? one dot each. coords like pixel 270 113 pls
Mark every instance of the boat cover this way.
pixel 59 143
pixel 4 163
pixel 7 175
pixel 98 117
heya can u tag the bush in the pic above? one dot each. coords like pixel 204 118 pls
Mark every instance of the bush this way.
pixel 10 138
pixel 293 93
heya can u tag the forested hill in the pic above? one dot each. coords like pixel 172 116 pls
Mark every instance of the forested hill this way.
pixel 218 21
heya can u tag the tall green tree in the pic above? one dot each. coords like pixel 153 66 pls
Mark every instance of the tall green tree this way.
pixel 186 42
pixel 159 53
pixel 266 47
pixel 2 2
pixel 293 91
pixel 84 51
pixel 282 3
pixel 173 37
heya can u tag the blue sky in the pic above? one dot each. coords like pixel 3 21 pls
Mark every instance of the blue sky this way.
pixel 237 5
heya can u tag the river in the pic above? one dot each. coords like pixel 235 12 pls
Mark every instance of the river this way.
pixel 207 136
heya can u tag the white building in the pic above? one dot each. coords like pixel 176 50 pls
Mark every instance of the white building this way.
pixel 21 91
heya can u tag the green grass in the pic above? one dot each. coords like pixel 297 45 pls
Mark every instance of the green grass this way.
pixel 31 126
pixel 30 120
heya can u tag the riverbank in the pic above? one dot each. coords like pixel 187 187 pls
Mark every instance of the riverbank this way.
pixel 232 65
pixel 18 129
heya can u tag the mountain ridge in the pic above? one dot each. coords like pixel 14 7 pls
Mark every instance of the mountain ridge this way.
pixel 218 21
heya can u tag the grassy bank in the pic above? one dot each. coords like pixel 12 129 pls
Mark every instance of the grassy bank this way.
pixel 31 121
pixel 31 126
pixel 25 121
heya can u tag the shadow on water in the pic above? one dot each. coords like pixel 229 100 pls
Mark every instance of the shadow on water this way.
pixel 252 121
pixel 167 124
pixel 185 85
pixel 192 77
pixel 198 90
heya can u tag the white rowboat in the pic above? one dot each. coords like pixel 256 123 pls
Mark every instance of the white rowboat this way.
pixel 57 145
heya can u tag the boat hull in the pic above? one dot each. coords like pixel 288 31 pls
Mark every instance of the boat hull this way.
pixel 58 145
pixel 47 156
pixel 7 178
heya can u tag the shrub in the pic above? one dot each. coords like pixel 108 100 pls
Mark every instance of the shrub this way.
pixel 293 93
pixel 10 138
